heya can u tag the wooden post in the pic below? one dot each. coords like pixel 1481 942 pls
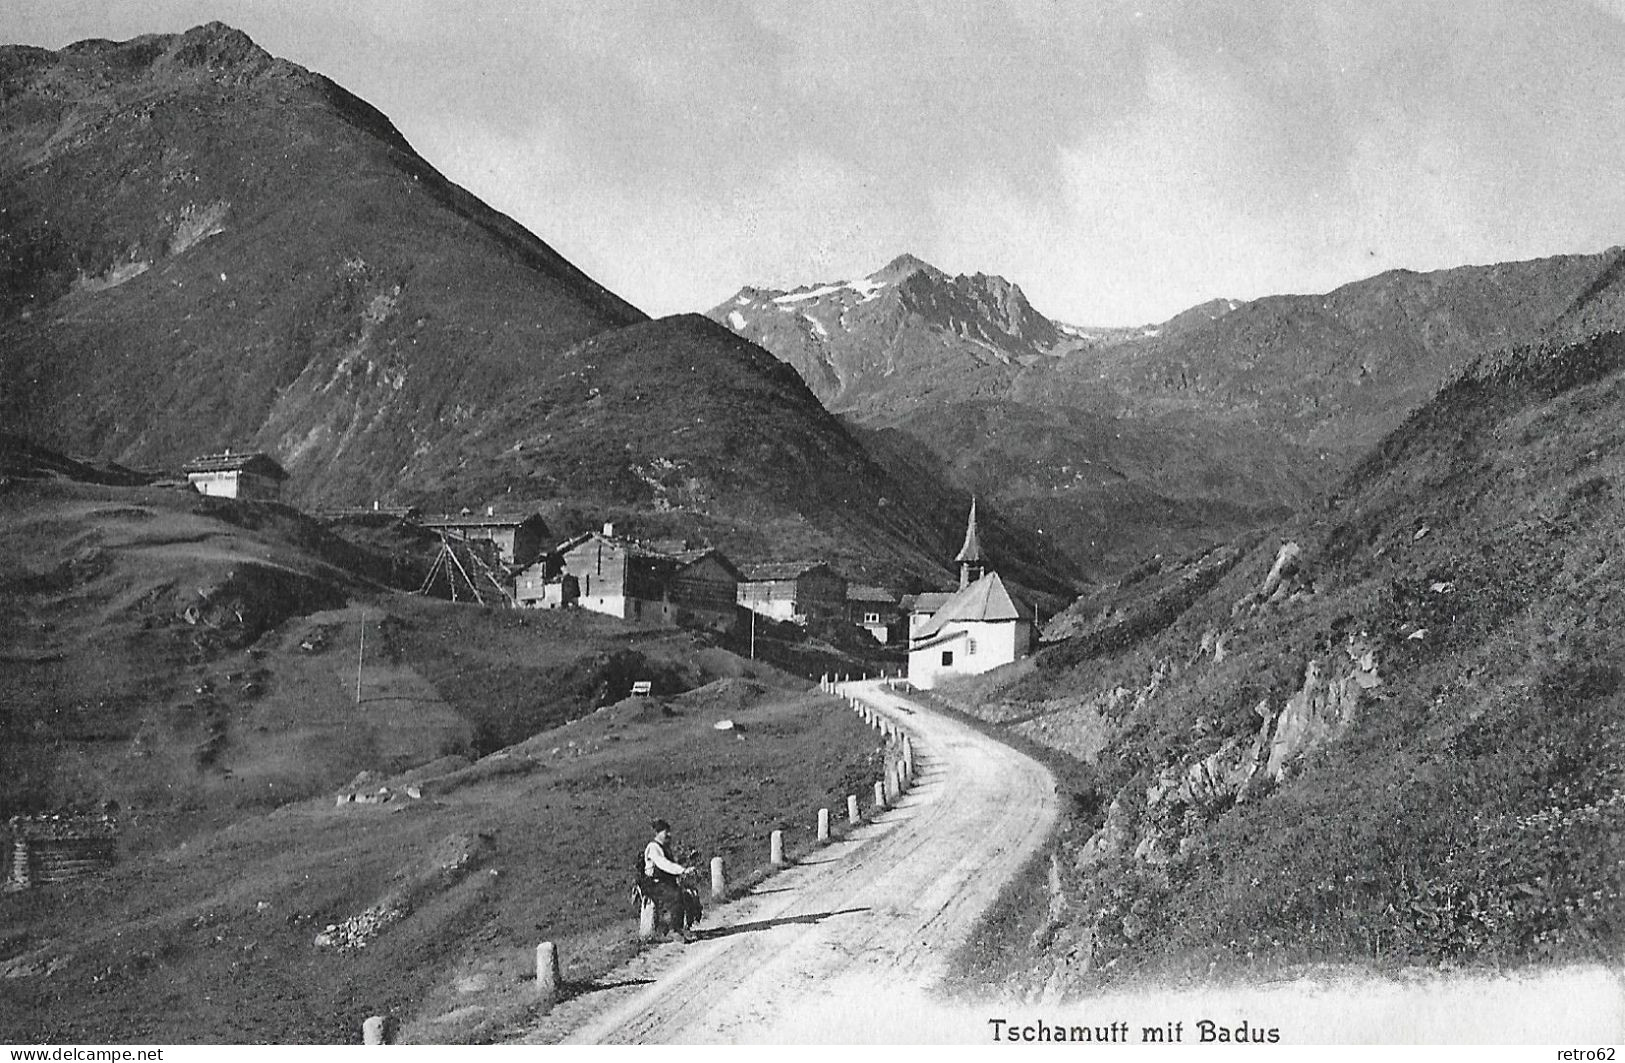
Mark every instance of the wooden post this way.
pixel 372 1031
pixel 775 848
pixel 719 885
pixel 851 808
pixel 547 972
pixel 21 876
pixel 880 795
pixel 823 825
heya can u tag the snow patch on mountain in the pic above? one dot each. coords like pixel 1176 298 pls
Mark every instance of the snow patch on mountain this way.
pixel 867 288
pixel 797 297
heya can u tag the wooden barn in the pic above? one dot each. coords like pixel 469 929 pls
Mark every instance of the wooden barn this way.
pixel 59 848
pixel 252 475
pixel 797 591
pixel 519 538
pixel 875 609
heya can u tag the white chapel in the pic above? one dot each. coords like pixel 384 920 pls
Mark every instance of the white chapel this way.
pixel 973 630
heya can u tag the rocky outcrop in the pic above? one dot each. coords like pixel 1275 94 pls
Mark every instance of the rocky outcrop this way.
pixel 1184 795
pixel 1288 579
pixel 1322 708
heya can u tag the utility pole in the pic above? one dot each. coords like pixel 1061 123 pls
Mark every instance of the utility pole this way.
pixel 360 655
pixel 753 634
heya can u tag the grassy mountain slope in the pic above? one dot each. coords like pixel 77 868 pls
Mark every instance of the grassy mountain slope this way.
pixel 213 672
pixel 721 443
pixel 1111 490
pixel 1391 732
pixel 195 664
pixel 205 246
pixel 170 651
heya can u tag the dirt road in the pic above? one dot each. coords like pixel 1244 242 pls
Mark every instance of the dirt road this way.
pixel 827 949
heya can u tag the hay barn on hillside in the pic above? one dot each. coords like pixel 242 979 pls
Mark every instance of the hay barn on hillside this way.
pixel 797 591
pixel 519 538
pixel 875 609
pixel 254 475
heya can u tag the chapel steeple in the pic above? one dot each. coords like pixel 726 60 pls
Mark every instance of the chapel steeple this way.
pixel 971 566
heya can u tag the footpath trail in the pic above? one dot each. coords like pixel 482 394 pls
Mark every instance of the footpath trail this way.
pixel 829 949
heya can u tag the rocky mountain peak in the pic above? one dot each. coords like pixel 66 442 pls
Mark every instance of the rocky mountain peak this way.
pixel 906 265
pixel 213 50
pixel 215 44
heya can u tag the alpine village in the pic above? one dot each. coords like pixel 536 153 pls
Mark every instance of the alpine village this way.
pixel 374 577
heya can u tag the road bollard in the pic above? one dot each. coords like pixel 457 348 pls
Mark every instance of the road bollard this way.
pixel 880 795
pixel 775 848
pixel 547 973
pixel 852 808
pixel 823 824
pixel 372 1031
pixel 719 885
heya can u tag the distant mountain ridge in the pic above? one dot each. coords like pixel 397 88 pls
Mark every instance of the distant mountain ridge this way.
pixel 1122 442
pixel 206 246
pixel 881 343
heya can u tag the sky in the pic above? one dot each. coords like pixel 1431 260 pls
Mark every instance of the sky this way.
pixel 1119 161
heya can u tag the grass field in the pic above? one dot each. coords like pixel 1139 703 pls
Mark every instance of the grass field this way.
pixel 195 662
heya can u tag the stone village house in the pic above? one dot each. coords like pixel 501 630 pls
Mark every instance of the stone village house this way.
pixel 605 573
